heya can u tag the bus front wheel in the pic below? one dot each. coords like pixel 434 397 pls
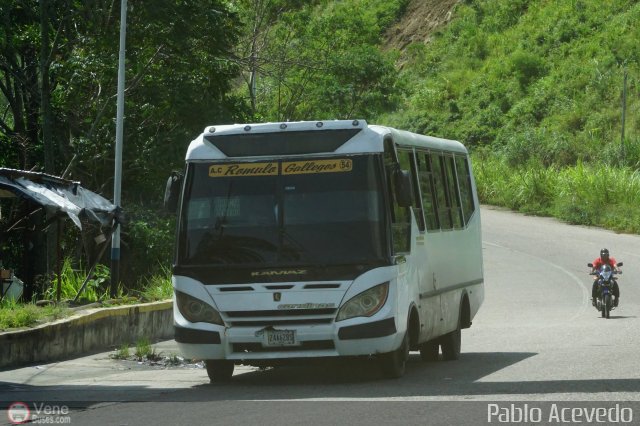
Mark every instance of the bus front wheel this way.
pixel 394 363
pixel 219 370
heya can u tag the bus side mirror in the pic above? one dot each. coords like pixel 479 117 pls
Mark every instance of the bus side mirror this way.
pixel 172 192
pixel 403 188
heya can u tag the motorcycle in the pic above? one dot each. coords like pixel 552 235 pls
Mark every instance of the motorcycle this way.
pixel 605 281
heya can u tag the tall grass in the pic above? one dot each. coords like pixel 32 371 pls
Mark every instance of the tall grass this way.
pixel 72 279
pixel 157 286
pixel 585 194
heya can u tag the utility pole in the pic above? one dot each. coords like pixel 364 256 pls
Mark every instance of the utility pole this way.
pixel 47 139
pixel 624 112
pixel 117 180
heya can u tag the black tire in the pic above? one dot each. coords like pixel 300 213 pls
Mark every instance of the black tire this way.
pixel 606 305
pixel 394 364
pixel 219 370
pixel 451 344
pixel 430 351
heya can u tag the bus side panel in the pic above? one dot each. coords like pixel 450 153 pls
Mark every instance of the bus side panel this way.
pixel 456 261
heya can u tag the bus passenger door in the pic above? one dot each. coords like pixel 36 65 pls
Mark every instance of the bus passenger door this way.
pixel 427 244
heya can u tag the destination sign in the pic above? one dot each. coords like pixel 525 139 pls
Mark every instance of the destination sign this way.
pixel 287 168
pixel 316 166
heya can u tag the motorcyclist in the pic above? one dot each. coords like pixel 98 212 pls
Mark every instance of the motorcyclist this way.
pixel 604 259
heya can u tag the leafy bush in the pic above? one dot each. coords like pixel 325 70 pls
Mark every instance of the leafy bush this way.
pixel 147 245
pixel 97 287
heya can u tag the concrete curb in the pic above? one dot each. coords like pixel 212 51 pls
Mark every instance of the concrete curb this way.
pixel 86 331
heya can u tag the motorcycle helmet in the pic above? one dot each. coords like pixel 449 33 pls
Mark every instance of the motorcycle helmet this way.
pixel 604 253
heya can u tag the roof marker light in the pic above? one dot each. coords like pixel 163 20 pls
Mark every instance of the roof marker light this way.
pixel 212 129
pixel 247 128
pixel 355 122
pixel 319 124
pixel 283 126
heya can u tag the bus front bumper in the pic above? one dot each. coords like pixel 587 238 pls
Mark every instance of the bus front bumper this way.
pixel 314 341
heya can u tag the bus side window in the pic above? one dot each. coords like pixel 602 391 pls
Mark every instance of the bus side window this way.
pixel 401 216
pixel 442 195
pixel 454 195
pixel 464 180
pixel 417 206
pixel 425 177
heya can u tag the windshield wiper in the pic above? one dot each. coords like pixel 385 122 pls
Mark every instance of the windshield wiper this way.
pixel 221 221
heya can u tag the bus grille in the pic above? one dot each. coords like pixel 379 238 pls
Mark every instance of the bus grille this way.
pixel 266 322
pixel 279 317
pixel 281 313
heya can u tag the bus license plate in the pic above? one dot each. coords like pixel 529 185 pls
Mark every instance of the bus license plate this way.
pixel 280 338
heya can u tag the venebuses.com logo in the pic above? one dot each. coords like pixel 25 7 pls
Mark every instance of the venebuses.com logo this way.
pixel 18 413
pixel 41 413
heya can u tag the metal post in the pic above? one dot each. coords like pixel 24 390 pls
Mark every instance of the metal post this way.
pixel 59 259
pixel 624 112
pixel 117 180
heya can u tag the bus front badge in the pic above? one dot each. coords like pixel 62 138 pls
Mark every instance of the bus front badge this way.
pixel 277 296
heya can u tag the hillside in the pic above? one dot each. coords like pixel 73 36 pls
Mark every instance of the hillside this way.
pixel 531 79
pixel 420 20
pixel 533 88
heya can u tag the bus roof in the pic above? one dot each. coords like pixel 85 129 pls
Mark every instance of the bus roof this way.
pixel 320 138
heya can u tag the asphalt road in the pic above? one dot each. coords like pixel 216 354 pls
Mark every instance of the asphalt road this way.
pixel 536 344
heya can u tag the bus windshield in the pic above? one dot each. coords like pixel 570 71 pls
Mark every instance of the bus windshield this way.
pixel 320 211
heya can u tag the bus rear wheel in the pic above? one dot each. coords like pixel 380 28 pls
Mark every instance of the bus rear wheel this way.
pixel 451 343
pixel 429 351
pixel 219 370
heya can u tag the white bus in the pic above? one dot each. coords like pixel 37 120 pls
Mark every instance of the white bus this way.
pixel 305 240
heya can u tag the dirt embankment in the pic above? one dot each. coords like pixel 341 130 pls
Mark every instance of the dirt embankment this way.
pixel 420 20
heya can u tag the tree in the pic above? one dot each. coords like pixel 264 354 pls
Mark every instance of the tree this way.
pixel 64 54
pixel 258 17
pixel 19 84
pixel 324 62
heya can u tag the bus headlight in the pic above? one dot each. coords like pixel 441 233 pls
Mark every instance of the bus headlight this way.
pixel 195 310
pixel 365 304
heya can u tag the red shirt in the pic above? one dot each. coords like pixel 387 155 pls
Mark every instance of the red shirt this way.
pixel 599 262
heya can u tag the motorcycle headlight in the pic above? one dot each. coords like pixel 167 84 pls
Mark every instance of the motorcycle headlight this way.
pixel 195 310
pixel 365 304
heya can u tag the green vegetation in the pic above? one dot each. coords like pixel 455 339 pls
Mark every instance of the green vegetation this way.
pixel 144 350
pixel 122 353
pixel 318 59
pixel 534 89
pixel 13 314
pixel 179 78
pixel 158 286
pixel 531 79
pixel 16 314
pixel 596 195
pixel 72 280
